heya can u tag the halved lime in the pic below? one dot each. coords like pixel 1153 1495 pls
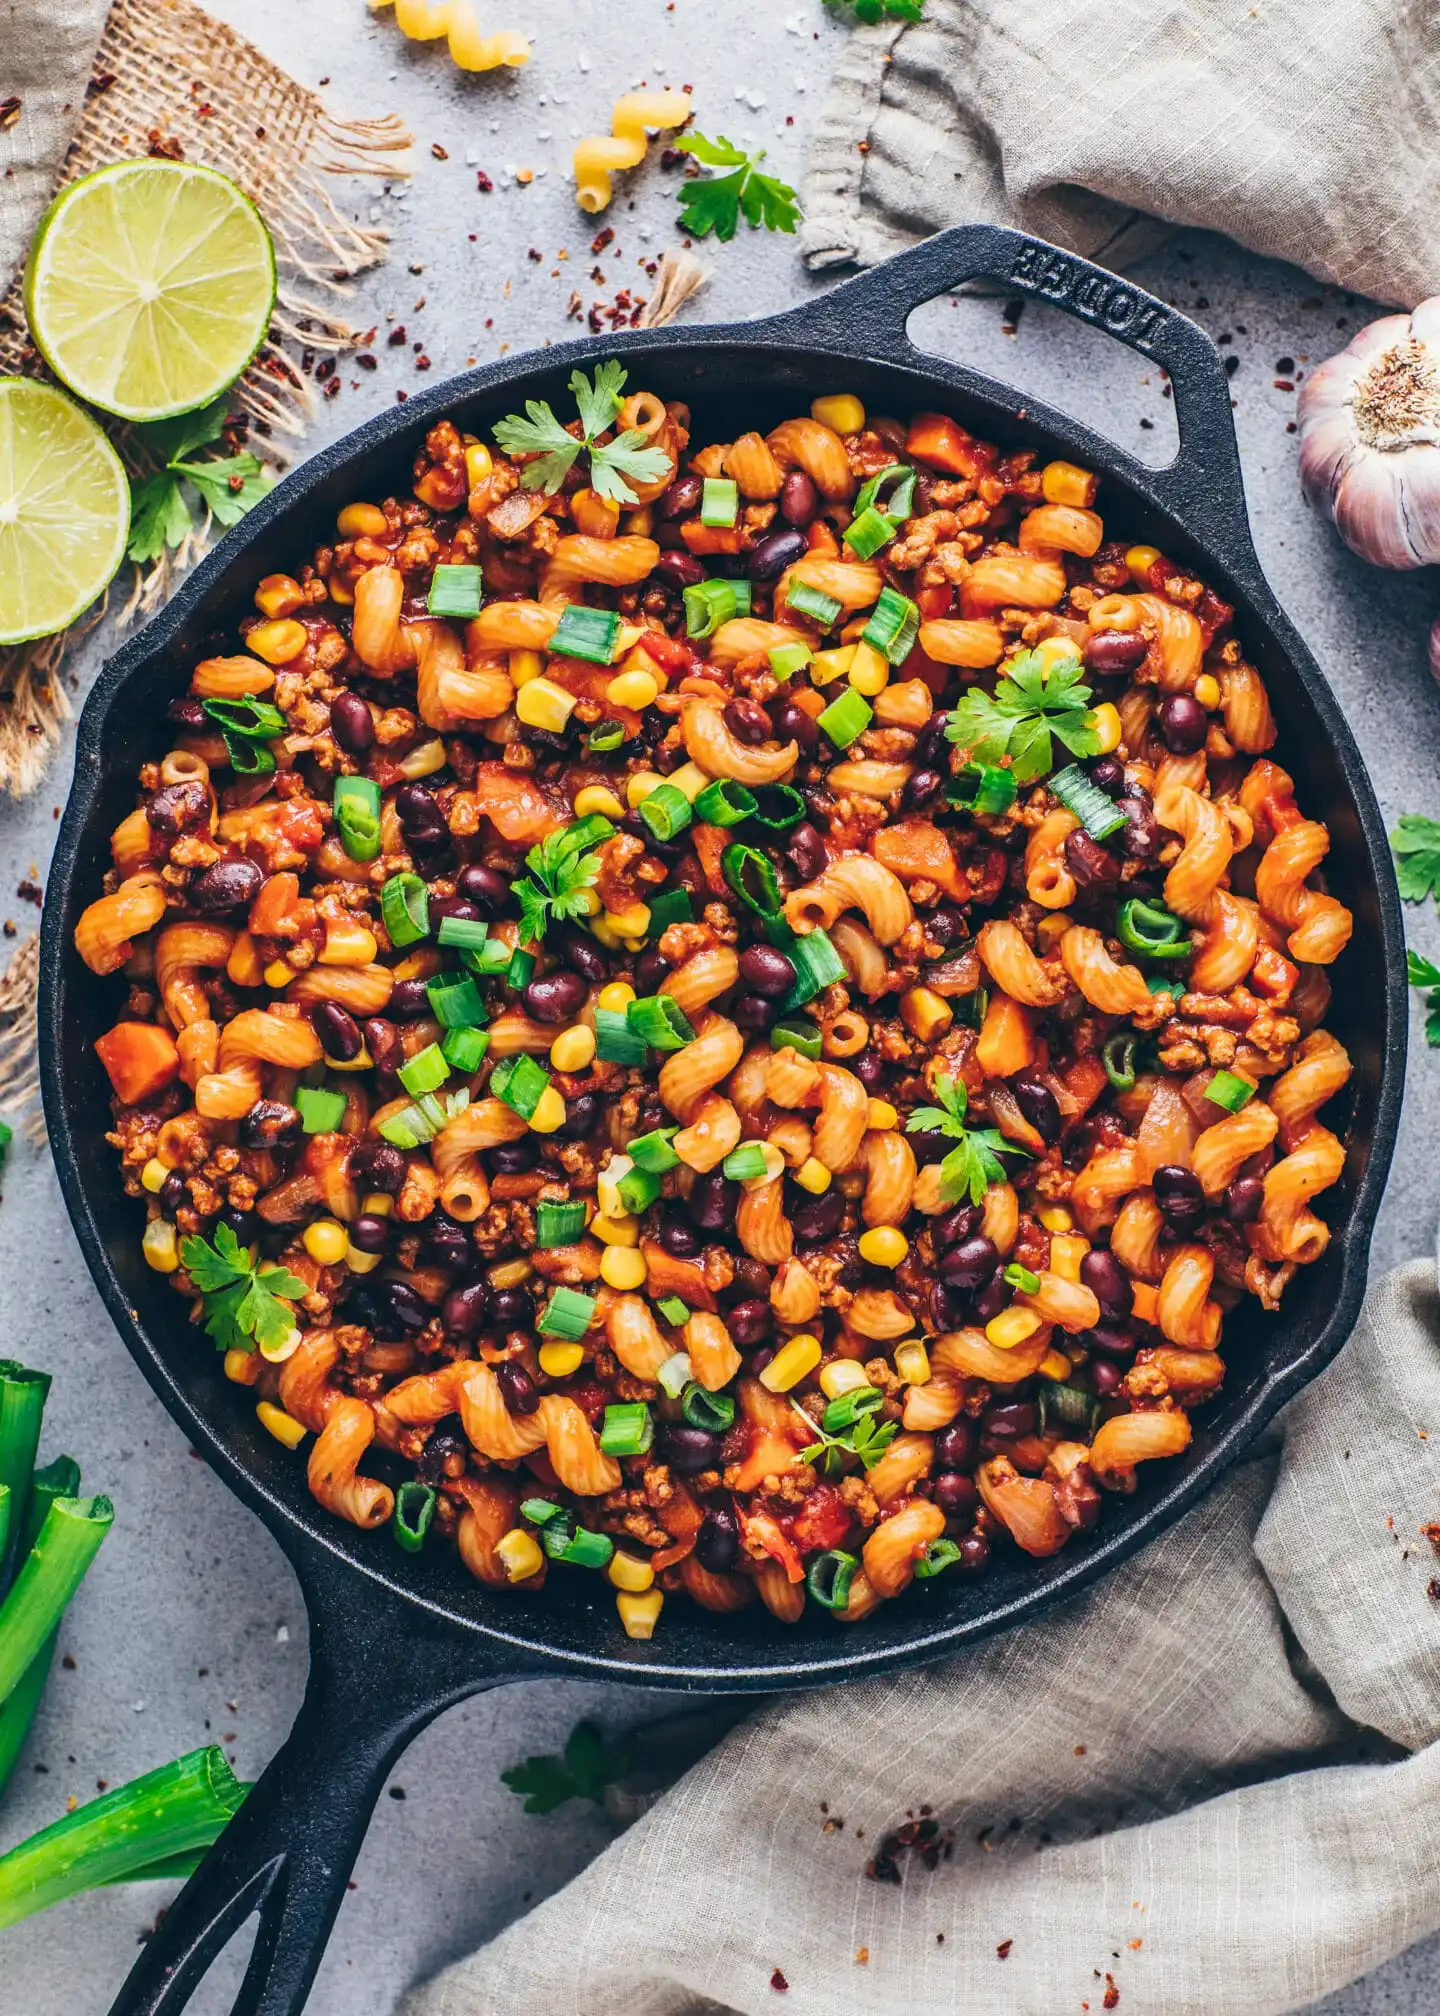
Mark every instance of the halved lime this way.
pixel 64 510
pixel 150 286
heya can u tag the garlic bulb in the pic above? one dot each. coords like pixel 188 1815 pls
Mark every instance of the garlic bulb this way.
pixel 1369 424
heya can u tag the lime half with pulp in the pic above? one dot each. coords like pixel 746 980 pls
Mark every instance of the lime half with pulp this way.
pixel 64 510
pixel 150 286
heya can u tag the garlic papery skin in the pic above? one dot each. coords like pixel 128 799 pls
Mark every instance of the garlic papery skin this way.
pixel 1369 423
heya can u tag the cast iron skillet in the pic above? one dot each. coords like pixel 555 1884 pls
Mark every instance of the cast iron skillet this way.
pixel 396 1638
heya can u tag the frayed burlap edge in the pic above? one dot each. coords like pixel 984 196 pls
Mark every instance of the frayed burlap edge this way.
pixel 170 80
pixel 19 1069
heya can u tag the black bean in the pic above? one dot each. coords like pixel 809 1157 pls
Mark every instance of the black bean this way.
pixel 1180 1196
pixel 1183 724
pixel 582 1117
pixel 765 969
pixel 486 888
pixel 930 1145
pixel 945 926
pixel 869 1068
pixel 650 969
pixel 1040 1107
pixel 947 1307
pixel 1105 1377
pixel 444 1243
pixel 753 1013
pixel 1109 1340
pixel 954 1226
pixel 270 1123
pixel 680 1240
pixel 679 569
pixel 554 997
pixel 463 1310
pixel 776 552
pixel 749 1322
pixel 176 808
pixel 971 1263
pixel 920 787
pixel 510 1308
pixel 1089 863
pixel 172 1193
pixel 1111 652
pixel 189 712
pixel 818 1217
pixel 974 1554
pixel 520 1393
pixel 748 722
pixel 717 1544
pixel 687 1450
pixel 712 1202
pixel 956 1496
pixel 793 724
pixel 452 906
pixel 351 723
pixel 400 1302
pixel 680 499
pixel 338 1031
pixel 992 1298
pixel 408 1001
pixel 445 1450
pixel 931 746
pixel 1009 1418
pixel 580 953
pixel 806 849
pixel 957 1446
pixel 382 1040
pixel 1107 773
pixel 418 811
pixel 229 885
pixel 1243 1199
pixel 1140 839
pixel 513 1158
pixel 1108 1282
pixel 377 1165
pixel 361 1306
pixel 369 1233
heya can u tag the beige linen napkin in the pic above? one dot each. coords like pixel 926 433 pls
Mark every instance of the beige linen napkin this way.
pixel 46 49
pixel 1212 1783
pixel 1307 129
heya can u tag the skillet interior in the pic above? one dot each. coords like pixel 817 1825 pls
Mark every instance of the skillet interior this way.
pixel 731 379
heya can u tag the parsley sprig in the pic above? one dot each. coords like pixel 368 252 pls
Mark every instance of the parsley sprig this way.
pixel 614 465
pixel 1423 972
pixel 1416 845
pixel 562 873
pixel 867 1437
pixel 243 1305
pixel 1022 714
pixel 161 514
pixel 871 11
pixel 587 1767
pixel 973 1164
pixel 717 202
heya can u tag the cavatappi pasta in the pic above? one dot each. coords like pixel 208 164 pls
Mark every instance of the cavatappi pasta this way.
pixel 548 920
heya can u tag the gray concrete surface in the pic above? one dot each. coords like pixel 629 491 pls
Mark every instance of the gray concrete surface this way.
pixel 190 1626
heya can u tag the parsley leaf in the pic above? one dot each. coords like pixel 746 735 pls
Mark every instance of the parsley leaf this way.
pixel 1416 845
pixel 542 436
pixel 561 876
pixel 554 447
pixel 717 202
pixel 973 1164
pixel 159 517
pixel 871 11
pixel 231 485
pixel 160 512
pixel 616 464
pixel 1423 972
pixel 587 1767
pixel 1020 717
pixel 242 1299
pixel 867 1437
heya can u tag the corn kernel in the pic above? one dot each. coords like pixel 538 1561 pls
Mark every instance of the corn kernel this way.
pixel 880 1114
pixel 598 798
pixel 607 1185
pixel 242 1367
pixel 637 690
pixel 347 944
pixel 361 1263
pixel 631 922
pixel 615 1228
pixel 626 638
pixel 633 944
pixel 623 1267
pixel 277 643
pixel 339 594
pixel 1067 483
pixel 813 1176
pixel 774 1165
pixel 1108 727
pixel 363 1062
pixel 1053 652
pixel 425 759
pixel 925 1013
pixel 1055 1365
pixel 884 1246
pixel 376 1204
pixel 525 666
pixel 912 1362
pixel 616 995
pixel 152 1176
pixel 1140 559
pixel 479 463
pixel 690 779
pixel 1055 1218
pixel 573 1049
pixel 640 522
pixel 604 933
pixel 559 1359
pixel 842 1375
pixel 629 1572
pixel 1051 929
pixel 362 521
pixel 279 595
pixel 827 665
pixel 243 967
pixel 284 1427
pixel 519 1554
pixel 1066 1253
pixel 283 1347
pixel 1207 691
pixel 1011 1327
pixel 639 786
pixel 840 410
pixel 869 670
pixel 278 974
pixel 540 703
pixel 159 1246
pixel 640 1614
pixel 325 1241
pixel 509 1273
pixel 791 1363
pixel 549 1112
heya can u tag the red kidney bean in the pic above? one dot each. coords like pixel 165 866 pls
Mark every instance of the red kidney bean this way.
pixel 176 807
pixel 650 969
pixel 1107 773
pixel 993 1297
pixel 749 1322
pixel 956 1495
pixel 931 746
pixel 581 954
pixel 687 1450
pixel 748 722
pixel 776 552
pixel 712 1202
pixel 1108 1282
pixel 511 1308
pixel 1184 724
pixel 805 848
pixel 971 1263
pixel 956 1446
pixel 679 569
pixel 680 1240
pixel 513 1158
pixel 974 1555
pixel 351 723
pixel 818 1217
pixel 1179 1194
pixel 382 1040
pixel 1039 1105
pixel 920 787
pixel 1140 839
pixel 554 997
pixel 669 538
pixel 1243 1199
pixel 188 712
pixel 765 969
pixel 452 906
pixel 680 499
pixel 270 1123
pixel 793 724
pixel 717 1544
pixel 799 499
pixel 518 1389
pixel 401 1303
pixel 408 1001
pixel 486 888
pixel 1090 864
pixel 1111 652
pixel 463 1310
pixel 370 1233
pixel 229 885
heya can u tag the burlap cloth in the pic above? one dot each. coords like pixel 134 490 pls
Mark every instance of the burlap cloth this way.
pixel 1307 129
pixel 1213 1784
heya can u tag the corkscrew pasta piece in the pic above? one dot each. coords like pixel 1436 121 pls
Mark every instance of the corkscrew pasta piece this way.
pixel 1112 988
pixel 635 116
pixel 1319 927
pixel 712 745
pixel 818 450
pixel 105 936
pixel 855 882
pixel 1013 966
pixel 471 48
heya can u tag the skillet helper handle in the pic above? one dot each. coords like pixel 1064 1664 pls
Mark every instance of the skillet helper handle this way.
pixel 379 1671
pixel 1202 487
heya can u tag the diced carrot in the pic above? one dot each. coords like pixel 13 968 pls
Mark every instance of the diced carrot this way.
pixel 916 849
pixel 1146 1305
pixel 278 897
pixel 1085 1081
pixel 515 807
pixel 1007 1039
pixel 710 538
pixel 668 1275
pixel 822 540
pixel 710 843
pixel 141 1059
pixel 943 443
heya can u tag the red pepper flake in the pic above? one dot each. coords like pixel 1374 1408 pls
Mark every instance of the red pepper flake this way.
pixel 324 369
pixel 1432 1589
pixel 401 397
pixel 1079 1749
pixel 919 1833
pixel 332 389
pixel 862 146
pixel 862 1956
pixel 1112 1993
pixel 1134 1944
pixel 422 362
pixel 574 311
pixel 1432 1534
pixel 535 253
pixel 205 111
pixel 161 147
pixel 30 892
pixel 779 1983
pixel 1283 384
pixel 438 151
pixel 1002 1951
pixel 483 182
pixel 367 361
pixel 397 336
pixel 602 239
pixel 524 176
pixel 10 110
pixel 100 83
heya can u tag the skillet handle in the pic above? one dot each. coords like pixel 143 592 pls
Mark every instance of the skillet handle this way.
pixel 379 1671
pixel 1202 487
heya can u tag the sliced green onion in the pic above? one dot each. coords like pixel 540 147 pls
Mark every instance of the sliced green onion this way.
pixel 1229 1090
pixel 744 1163
pixel 844 1412
pixel 1117 1054
pixel 708 604
pixel 674 1311
pixel 818 966
pixel 1151 931
pixel 356 805
pixel 320 1111
pixel 557 1533
pixel 829 1577
pixel 520 1082
pixel 400 1129
pixel 778 807
pixel 894 625
pixel 822 609
pixel 723 803
pixel 567 1314
pixel 489 957
pixel 604 736
pixel 671 906
pixel 454 591
pixel 615 1041
pixel 1022 1278
pixel 654 1151
pixel 675 1374
pixel 846 718
pixel 405 908
pixel 586 633
pixel 752 876
pixel 788 659
pixel 48 1577
pixel 666 811
pixel 899 480
pixel 520 969
pixel 986 789
pixel 589 1550
pixel 719 501
pixel 661 1021
pixel 638 1189
pixel 455 1001
pixel 714 1412
pixel 426 1071
pixel 868 531
pixel 1067 1408
pixel 466 934
pixel 251 719
pixel 591 831
pixel 627 1429
pixel 539 1511
pixel 1165 983
pixel 22 1407
pixel 799 1034
pixel 249 759
pixel 938 1556
pixel 465 1049
pixel 971 1009
pixel 1097 813
pixel 558 1224
pixel 414 1501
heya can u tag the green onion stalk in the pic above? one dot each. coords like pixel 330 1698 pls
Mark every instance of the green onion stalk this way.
pixel 53 1570
pixel 60 1479
pixel 22 1403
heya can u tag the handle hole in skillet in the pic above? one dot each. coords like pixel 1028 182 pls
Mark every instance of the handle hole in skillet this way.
pixel 219 1986
pixel 1042 351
